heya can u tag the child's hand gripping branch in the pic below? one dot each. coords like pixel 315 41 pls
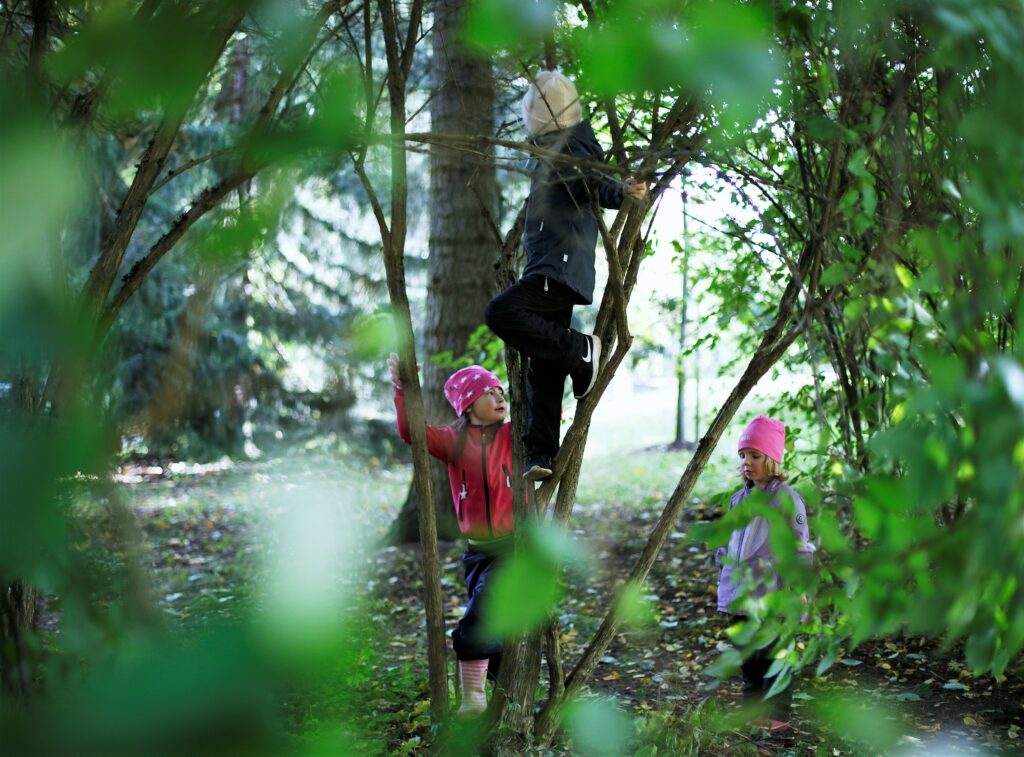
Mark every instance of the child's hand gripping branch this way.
pixel 634 188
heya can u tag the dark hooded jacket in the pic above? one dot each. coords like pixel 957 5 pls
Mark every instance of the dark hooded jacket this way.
pixel 561 228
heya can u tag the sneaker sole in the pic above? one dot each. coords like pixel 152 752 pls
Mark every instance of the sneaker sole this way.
pixel 537 473
pixel 596 358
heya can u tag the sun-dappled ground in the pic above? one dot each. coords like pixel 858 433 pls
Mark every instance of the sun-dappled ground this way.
pixel 228 543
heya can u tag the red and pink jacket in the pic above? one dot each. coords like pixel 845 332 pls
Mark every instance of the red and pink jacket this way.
pixel 481 476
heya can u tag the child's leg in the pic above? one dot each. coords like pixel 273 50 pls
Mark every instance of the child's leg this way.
pixel 472 646
pixel 469 638
pixel 536 322
pixel 474 697
pixel 545 382
pixel 752 671
pixel 494 667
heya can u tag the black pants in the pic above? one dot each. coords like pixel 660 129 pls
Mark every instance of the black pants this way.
pixel 469 637
pixel 756 682
pixel 536 322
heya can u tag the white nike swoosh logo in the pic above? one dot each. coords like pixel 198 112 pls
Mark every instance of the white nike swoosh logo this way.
pixel 586 358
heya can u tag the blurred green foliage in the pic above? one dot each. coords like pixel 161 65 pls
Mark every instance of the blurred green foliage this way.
pixel 892 130
pixel 907 447
pixel 598 727
pixel 526 589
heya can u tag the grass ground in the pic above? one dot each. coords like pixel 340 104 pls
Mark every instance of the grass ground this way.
pixel 223 543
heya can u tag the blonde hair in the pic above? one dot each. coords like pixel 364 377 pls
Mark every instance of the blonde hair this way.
pixel 772 468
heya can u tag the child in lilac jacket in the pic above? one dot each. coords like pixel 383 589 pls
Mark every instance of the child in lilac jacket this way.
pixel 749 553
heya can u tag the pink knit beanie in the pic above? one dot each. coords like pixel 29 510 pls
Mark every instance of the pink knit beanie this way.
pixel 766 435
pixel 466 385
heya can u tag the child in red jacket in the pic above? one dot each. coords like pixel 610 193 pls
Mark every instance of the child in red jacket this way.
pixel 478 451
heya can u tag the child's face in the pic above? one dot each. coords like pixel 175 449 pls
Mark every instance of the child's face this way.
pixel 753 466
pixel 489 407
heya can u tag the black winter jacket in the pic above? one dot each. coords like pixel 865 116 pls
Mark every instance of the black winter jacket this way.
pixel 561 229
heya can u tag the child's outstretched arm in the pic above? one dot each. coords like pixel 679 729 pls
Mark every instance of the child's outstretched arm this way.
pixel 440 439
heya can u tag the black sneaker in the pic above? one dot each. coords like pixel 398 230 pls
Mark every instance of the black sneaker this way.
pixel 586 376
pixel 537 468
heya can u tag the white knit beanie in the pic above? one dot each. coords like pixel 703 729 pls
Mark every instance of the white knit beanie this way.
pixel 551 103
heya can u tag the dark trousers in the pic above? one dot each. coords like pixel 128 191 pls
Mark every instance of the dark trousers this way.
pixel 536 322
pixel 756 682
pixel 469 637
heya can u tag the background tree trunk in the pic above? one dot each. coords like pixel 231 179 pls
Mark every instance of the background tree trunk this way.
pixel 680 440
pixel 463 247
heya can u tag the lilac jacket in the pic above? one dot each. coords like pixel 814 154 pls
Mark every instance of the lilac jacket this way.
pixel 750 546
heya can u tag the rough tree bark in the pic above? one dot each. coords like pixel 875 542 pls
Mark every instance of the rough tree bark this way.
pixel 463 203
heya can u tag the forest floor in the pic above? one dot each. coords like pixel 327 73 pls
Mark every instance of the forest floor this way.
pixel 208 533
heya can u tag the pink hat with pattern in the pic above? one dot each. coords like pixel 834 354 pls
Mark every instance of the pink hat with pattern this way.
pixel 466 385
pixel 766 435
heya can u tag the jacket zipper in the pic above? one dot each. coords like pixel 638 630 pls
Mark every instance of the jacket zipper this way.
pixel 508 476
pixel 462 494
pixel 545 283
pixel 487 488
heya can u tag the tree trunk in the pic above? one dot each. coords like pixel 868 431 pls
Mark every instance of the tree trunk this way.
pixel 463 246
pixel 680 440
pixel 18 600
pixel 17 617
pixel 393 236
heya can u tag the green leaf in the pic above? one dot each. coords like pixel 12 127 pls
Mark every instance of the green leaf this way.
pixel 870 516
pixel 598 726
pixel 869 200
pixel 633 607
pixel 781 682
pixel 826 662
pixel 524 593
pixel 980 648
pixel 860 720
pixel 822 128
pixel 496 24
pixel 375 336
pixel 836 273
pixel 857 163
pixel 727 664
